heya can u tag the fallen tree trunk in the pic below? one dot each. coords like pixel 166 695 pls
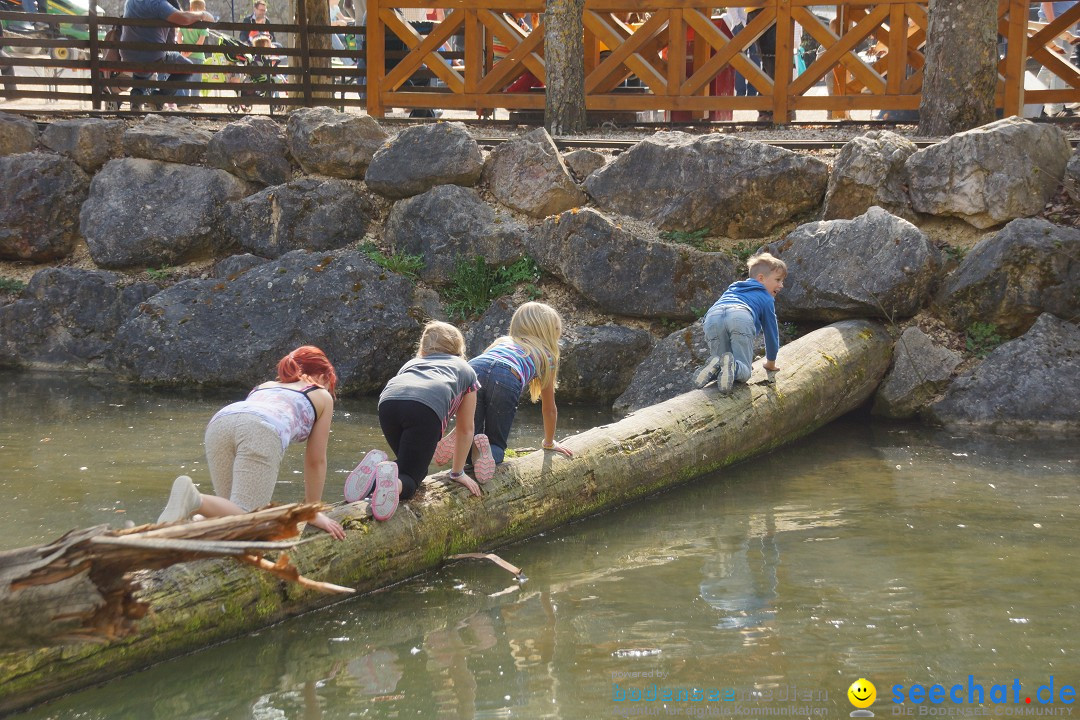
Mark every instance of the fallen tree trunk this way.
pixel 823 376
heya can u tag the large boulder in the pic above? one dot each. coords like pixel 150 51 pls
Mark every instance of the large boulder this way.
pixel 168 139
pixel 1028 384
pixel 40 197
pixel 990 175
pixel 870 170
pixel 586 370
pixel 1071 181
pixel 17 134
pixel 528 174
pixel 877 265
pixel 66 318
pixel 309 213
pixel 327 142
pixel 1009 278
pixel 232 332
pixel 90 142
pixel 144 212
pixel 252 148
pixel 735 187
pixel 424 156
pixel 494 323
pixel 921 369
pixel 450 222
pixel 627 275
pixel 667 371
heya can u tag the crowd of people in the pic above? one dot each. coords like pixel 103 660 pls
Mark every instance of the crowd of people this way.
pixel 246 440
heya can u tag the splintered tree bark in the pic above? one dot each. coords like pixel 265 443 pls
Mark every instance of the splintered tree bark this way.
pixel 961 67
pixel 564 61
pixel 823 375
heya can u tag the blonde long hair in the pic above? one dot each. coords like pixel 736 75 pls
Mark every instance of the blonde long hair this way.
pixel 536 327
pixel 439 337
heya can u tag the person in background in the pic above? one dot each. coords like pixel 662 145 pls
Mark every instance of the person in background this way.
pixel 258 16
pixel 1048 12
pixel 338 18
pixel 193 36
pixel 157 10
pixel 245 442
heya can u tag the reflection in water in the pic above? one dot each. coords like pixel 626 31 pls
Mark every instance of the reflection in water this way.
pixel 897 554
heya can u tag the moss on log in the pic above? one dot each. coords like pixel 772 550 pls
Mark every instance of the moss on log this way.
pixel 823 375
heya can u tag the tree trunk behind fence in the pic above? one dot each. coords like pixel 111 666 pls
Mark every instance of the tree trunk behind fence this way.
pixel 564 59
pixel 961 67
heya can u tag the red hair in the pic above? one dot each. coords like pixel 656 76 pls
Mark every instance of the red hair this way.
pixel 306 360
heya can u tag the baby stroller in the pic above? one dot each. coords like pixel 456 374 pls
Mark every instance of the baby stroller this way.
pixel 266 64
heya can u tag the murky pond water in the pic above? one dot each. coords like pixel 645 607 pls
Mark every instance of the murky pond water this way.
pixel 899 554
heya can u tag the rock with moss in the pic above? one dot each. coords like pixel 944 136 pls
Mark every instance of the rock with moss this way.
pixel 90 142
pixel 668 370
pixel 992 174
pixel 66 318
pixel 528 174
pixel 1009 278
pixel 309 213
pixel 870 170
pixel 1028 385
pixel 143 213
pixel 921 369
pixel 877 265
pixel 629 275
pixel 40 198
pixel 17 134
pixel 327 142
pixel 424 156
pixel 736 188
pixel 253 148
pixel 168 139
pixel 449 223
pixel 229 332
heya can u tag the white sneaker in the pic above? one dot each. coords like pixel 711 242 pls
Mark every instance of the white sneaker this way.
pixel 184 500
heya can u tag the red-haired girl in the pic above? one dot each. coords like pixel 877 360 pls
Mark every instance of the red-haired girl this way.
pixel 246 440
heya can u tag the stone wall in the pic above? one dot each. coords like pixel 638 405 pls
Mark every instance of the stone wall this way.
pixel 293 233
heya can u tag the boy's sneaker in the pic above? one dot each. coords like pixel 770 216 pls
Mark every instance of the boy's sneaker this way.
pixel 384 500
pixel 485 464
pixel 360 481
pixel 184 500
pixel 726 380
pixel 707 374
pixel 444 451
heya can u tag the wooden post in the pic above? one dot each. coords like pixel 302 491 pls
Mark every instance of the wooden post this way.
pixel 305 57
pixel 785 33
pixel 1016 58
pixel 95 59
pixel 376 59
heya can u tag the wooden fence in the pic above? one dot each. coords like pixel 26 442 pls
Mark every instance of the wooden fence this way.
pixel 673 56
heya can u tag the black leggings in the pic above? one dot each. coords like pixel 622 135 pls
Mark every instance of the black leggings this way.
pixel 413 430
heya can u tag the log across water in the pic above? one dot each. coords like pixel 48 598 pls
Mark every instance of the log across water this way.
pixel 823 375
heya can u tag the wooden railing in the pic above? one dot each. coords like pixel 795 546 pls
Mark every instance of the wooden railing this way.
pixel 675 57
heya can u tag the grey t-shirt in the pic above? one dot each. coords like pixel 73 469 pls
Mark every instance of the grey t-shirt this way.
pixel 438 381
pixel 146 10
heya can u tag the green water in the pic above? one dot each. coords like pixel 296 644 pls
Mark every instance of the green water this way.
pixel 895 553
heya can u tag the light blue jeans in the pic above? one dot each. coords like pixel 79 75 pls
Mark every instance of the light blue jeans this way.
pixel 730 329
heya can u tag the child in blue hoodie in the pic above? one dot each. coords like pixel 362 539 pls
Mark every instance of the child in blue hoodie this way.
pixel 745 309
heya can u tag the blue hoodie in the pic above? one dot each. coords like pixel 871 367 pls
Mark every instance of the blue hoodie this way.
pixel 752 295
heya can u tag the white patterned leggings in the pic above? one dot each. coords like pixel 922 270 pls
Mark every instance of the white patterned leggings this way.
pixel 244 455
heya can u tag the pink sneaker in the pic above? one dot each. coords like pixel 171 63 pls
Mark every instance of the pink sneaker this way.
pixel 384 500
pixel 444 451
pixel 484 465
pixel 360 481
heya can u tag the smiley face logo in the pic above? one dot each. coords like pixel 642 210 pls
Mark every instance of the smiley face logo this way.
pixel 862 693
